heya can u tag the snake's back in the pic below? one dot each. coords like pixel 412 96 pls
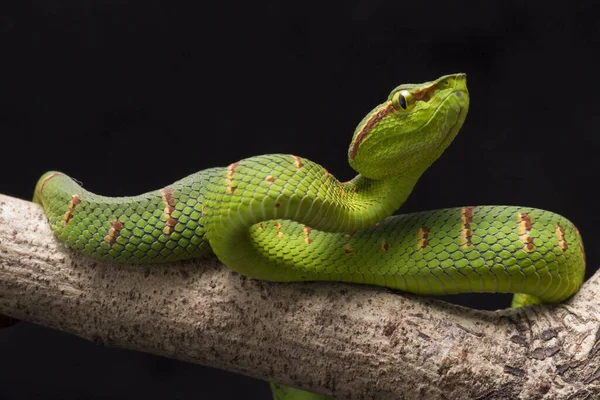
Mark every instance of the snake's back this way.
pixel 470 249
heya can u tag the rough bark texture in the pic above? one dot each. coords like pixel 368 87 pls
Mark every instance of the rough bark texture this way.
pixel 351 341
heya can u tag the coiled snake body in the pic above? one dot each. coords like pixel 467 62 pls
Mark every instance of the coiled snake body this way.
pixel 284 218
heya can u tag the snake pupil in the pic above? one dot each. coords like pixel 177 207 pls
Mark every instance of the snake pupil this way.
pixel 402 101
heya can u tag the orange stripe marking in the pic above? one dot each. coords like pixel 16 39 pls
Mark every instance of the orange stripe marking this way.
pixel 278 226
pixel 113 232
pixel 524 229
pixel 423 236
pixel 306 231
pixel 466 233
pixel 348 249
pixel 75 201
pixel 46 179
pixel 385 109
pixel 230 170
pixel 385 246
pixel 560 235
pixel 298 162
pixel 167 197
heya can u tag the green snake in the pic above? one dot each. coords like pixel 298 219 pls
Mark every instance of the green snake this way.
pixel 284 218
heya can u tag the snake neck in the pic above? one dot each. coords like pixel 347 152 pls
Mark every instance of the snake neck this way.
pixel 383 196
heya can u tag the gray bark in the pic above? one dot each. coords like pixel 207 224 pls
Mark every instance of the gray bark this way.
pixel 349 341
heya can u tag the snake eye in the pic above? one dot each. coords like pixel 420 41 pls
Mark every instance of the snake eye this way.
pixel 403 100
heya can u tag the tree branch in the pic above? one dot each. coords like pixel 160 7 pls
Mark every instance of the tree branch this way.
pixel 351 341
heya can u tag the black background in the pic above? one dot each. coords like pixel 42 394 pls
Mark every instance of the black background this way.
pixel 130 96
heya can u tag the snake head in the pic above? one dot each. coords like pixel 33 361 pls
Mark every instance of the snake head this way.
pixel 411 129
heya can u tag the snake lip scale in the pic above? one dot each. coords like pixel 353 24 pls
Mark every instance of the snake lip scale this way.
pixel 281 217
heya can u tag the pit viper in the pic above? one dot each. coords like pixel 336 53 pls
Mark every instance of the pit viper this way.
pixel 281 217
